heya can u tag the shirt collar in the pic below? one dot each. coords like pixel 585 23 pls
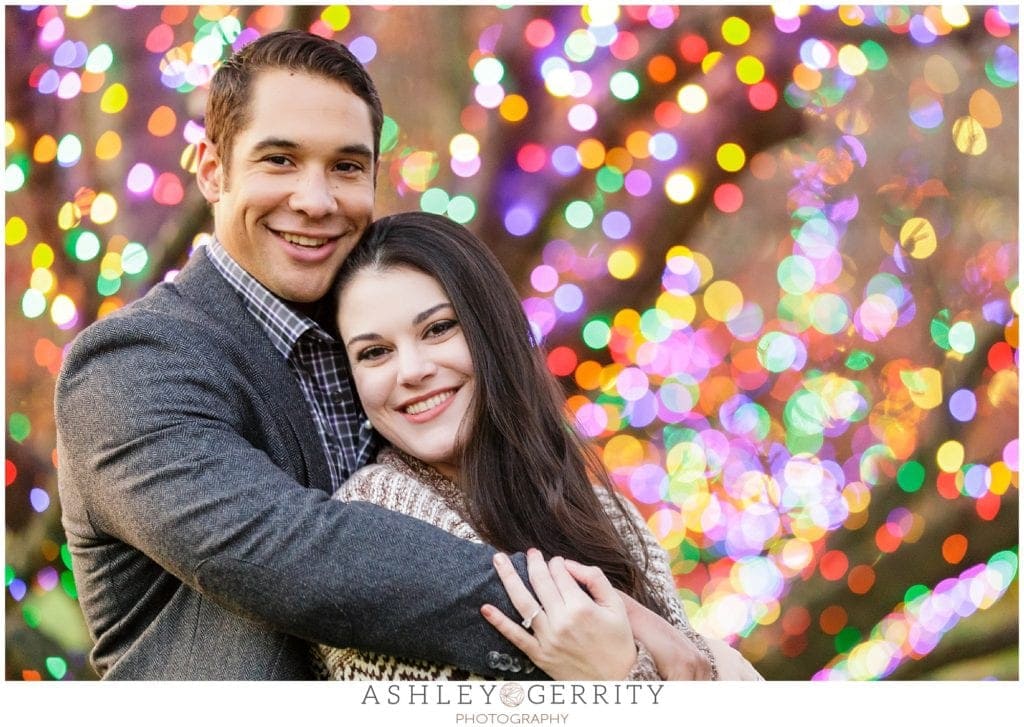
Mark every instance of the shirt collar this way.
pixel 283 324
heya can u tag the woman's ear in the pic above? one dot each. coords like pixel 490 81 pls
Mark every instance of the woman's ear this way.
pixel 209 171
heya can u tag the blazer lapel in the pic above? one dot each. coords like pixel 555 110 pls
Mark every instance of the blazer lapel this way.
pixel 202 283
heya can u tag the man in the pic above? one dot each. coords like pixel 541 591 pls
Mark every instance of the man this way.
pixel 202 429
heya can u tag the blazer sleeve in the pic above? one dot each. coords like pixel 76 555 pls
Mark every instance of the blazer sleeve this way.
pixel 157 450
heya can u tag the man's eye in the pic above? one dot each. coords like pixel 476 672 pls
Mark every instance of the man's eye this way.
pixel 348 167
pixel 276 159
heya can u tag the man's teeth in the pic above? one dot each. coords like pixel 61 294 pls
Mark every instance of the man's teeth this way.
pixel 427 404
pixel 304 241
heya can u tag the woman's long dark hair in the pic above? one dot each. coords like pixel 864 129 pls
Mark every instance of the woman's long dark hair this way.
pixel 525 473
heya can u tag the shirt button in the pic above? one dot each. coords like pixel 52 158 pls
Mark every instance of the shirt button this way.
pixel 506 662
pixel 493 659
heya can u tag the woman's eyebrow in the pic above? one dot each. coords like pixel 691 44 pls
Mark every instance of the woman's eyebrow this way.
pixel 420 317
pixel 429 312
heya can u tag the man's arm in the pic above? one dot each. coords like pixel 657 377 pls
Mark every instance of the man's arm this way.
pixel 153 440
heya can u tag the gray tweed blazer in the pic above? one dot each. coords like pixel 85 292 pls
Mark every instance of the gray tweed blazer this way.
pixel 195 496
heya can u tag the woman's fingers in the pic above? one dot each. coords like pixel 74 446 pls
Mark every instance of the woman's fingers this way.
pixel 512 631
pixel 548 593
pixel 571 593
pixel 594 580
pixel 518 593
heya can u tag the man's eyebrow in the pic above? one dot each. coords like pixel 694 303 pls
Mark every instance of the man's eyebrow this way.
pixel 420 317
pixel 278 143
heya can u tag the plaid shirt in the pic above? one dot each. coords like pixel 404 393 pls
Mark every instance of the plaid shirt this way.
pixel 318 362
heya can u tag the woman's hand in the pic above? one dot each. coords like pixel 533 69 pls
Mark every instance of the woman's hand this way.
pixel 576 635
pixel 676 657
pixel 732 665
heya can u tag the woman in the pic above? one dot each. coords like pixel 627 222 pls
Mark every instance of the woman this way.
pixel 445 369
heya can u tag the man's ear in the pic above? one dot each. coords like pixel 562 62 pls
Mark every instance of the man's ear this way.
pixel 209 171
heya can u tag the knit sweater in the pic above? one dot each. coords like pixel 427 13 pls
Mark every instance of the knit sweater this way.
pixel 404 484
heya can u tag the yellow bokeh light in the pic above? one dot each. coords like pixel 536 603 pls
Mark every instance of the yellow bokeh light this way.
pixel 955 15
pixel 78 9
pixel 628 319
pixel 108 146
pixel 10 133
pixel 42 280
pixel 110 266
pixel 924 386
pixel 336 16
pixel 750 70
pixel 114 99
pixel 68 216
pixel 710 61
pixel 591 153
pixel 15 231
pixel 917 237
pixel 692 98
pixel 852 60
pixel 735 31
pixel 623 450
pixel 680 187
pixel 638 144
pixel 1002 478
pixel 851 15
pixel 622 264
pixel 42 256
pixel 730 157
pixel 513 108
pixel 680 308
pixel 464 147
pixel 668 527
pixel 969 136
pixel 950 456
pixel 723 300
pixel 104 208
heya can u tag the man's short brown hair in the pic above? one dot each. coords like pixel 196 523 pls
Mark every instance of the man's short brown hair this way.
pixel 228 104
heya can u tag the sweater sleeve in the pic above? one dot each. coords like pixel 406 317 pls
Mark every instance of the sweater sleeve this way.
pixel 659 571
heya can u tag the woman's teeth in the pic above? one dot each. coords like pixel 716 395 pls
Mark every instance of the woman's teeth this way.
pixel 427 404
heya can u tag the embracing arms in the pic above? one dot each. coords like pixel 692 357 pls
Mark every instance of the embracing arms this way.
pixel 180 456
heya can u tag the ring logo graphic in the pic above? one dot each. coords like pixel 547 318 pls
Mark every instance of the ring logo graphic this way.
pixel 512 695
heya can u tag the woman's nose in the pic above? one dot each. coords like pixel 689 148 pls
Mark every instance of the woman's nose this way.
pixel 414 366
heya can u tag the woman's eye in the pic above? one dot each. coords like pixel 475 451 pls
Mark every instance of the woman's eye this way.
pixel 372 353
pixel 439 328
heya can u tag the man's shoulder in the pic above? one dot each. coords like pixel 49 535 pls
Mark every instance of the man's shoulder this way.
pixel 195 302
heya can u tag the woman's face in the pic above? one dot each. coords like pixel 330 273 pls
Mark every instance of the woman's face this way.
pixel 409 360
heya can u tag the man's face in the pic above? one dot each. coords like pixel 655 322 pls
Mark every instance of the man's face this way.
pixel 299 190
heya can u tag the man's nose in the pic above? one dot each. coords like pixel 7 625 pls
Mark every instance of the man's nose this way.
pixel 314 197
